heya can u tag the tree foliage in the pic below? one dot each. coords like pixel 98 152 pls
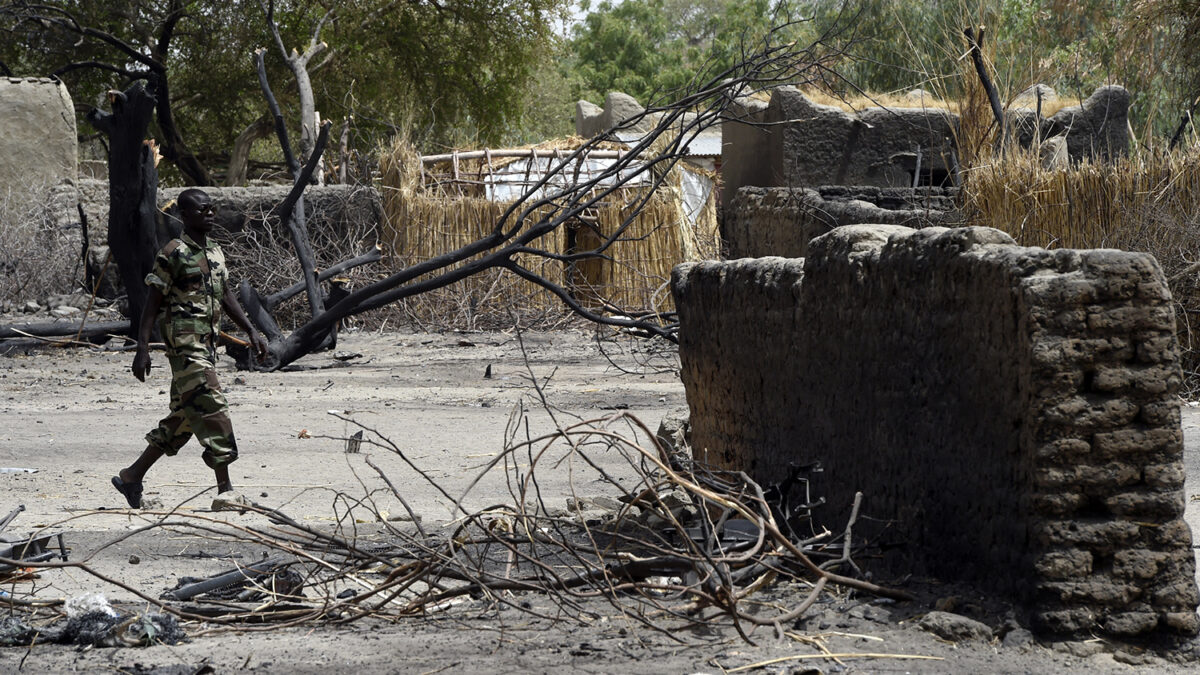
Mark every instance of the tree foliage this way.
pixel 653 48
pixel 1072 45
pixel 498 71
pixel 442 71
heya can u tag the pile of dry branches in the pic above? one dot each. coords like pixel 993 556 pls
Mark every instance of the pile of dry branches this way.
pixel 680 545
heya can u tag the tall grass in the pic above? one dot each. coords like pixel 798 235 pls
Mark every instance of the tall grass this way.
pixel 1148 201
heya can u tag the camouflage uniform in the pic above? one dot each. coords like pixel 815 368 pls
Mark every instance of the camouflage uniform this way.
pixel 192 279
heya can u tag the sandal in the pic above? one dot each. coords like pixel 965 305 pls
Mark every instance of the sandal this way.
pixel 132 491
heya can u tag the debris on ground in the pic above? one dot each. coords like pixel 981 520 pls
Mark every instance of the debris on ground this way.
pixel 91 621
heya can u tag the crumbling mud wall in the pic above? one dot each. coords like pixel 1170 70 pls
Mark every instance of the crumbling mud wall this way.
pixel 335 215
pixel 330 210
pixel 38 146
pixel 1097 129
pixel 781 221
pixel 793 142
pixel 1012 411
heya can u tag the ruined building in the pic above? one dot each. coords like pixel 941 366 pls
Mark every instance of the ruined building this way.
pixel 1011 414
pixel 793 169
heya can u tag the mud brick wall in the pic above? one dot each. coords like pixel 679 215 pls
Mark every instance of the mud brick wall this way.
pixel 38 148
pixel 1011 410
pixel 782 220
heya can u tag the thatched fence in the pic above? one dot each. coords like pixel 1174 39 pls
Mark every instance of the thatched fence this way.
pixel 437 204
pixel 1146 202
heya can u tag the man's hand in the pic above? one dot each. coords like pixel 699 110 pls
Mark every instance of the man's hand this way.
pixel 141 363
pixel 260 346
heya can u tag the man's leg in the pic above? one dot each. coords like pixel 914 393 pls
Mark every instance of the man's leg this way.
pixel 134 473
pixel 208 416
pixel 171 434
pixel 223 482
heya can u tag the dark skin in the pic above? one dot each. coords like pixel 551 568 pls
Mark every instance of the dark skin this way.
pixel 198 220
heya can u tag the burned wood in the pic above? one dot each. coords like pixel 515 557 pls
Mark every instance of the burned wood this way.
pixel 239 575
pixel 132 188
pixel 975 46
pixel 47 329
pixel 257 311
pixel 374 255
pixel 11 516
pixel 291 210
pixel 1184 122
pixel 32 550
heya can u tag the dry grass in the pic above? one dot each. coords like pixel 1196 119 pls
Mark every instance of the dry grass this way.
pixel 39 256
pixel 425 216
pixel 1146 202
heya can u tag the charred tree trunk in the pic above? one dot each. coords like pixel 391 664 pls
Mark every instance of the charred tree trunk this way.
pixel 291 210
pixel 174 148
pixel 975 45
pixel 132 189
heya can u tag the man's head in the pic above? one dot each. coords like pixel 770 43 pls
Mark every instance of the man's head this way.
pixel 196 210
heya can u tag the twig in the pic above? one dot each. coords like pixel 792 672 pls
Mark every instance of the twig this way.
pixel 844 655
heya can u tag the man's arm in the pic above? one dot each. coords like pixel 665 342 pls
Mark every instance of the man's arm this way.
pixel 141 359
pixel 234 309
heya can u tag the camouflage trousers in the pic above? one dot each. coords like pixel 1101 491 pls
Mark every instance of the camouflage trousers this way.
pixel 197 407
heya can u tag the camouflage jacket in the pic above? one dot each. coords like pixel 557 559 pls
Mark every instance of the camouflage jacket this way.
pixel 192 279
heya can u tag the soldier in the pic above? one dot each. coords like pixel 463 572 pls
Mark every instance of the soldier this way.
pixel 188 287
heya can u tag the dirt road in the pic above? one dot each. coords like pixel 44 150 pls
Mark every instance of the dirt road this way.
pixel 76 416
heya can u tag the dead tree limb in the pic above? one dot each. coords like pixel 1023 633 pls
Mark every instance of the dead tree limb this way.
pixel 46 329
pixel 1184 121
pixel 291 210
pixel 298 63
pixel 976 50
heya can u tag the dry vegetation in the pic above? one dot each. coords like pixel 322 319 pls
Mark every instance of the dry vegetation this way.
pixel 40 256
pixel 429 212
pixel 681 545
pixel 1146 202
pixel 262 254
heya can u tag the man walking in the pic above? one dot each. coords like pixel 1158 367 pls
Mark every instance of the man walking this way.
pixel 189 286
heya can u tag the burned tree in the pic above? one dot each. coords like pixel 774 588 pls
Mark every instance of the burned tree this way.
pixel 544 209
pixel 290 211
pixel 132 188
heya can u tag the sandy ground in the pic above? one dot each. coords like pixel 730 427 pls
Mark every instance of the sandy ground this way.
pixel 76 416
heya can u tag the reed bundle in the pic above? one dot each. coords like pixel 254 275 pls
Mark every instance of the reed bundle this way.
pixel 1146 202
pixel 1139 202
